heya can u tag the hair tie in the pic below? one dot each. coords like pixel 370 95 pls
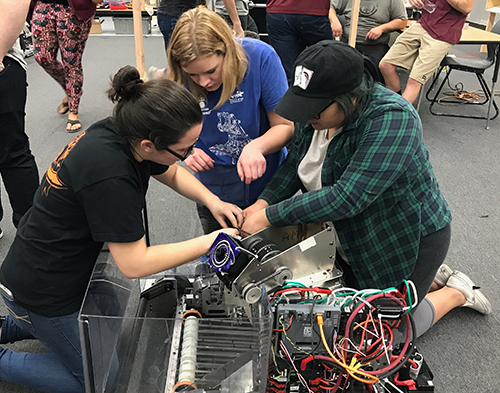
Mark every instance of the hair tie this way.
pixel 128 90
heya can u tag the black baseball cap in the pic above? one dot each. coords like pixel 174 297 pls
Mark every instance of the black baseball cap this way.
pixel 322 72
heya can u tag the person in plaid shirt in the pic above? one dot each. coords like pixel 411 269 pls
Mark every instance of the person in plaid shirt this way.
pixel 359 158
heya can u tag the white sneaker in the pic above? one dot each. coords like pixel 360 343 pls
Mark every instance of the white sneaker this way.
pixel 443 274
pixel 155 73
pixel 474 297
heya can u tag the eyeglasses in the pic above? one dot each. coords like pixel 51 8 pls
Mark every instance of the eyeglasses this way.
pixel 318 116
pixel 189 150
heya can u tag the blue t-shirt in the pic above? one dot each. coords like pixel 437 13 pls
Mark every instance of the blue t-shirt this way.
pixel 241 119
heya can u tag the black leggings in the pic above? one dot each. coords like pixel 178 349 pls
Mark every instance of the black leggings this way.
pixel 431 255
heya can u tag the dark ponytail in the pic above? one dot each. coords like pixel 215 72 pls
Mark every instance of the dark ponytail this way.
pixel 161 111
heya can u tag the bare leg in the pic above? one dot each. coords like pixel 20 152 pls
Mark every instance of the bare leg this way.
pixel 412 89
pixel 390 76
pixel 434 287
pixel 73 127
pixel 64 106
pixel 444 300
pixel 156 73
pixel 161 73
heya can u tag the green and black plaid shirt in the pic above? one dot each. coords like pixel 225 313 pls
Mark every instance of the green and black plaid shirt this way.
pixel 379 189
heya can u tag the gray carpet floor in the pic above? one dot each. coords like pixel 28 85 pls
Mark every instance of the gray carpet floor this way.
pixel 462 349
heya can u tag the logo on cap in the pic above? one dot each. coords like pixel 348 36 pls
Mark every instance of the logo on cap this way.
pixel 303 77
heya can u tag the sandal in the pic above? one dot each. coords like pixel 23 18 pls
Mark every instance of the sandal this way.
pixel 63 108
pixel 71 123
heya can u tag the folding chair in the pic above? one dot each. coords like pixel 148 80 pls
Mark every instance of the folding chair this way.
pixel 477 66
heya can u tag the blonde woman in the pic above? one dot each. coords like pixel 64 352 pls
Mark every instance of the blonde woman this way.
pixel 238 83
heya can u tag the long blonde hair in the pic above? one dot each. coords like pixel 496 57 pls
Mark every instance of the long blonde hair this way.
pixel 201 32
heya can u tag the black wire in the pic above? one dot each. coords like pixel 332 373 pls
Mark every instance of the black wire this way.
pixel 411 348
pixel 311 317
pixel 372 357
pixel 394 300
pixel 241 230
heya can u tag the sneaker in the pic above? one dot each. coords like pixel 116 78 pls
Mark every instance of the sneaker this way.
pixel 155 73
pixel 474 297
pixel 443 274
pixel 1 233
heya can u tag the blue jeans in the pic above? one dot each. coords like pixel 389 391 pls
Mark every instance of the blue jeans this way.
pixel 166 23
pixel 288 31
pixel 60 370
pixel 375 52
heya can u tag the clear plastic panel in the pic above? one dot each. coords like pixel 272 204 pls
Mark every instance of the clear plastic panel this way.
pixel 125 352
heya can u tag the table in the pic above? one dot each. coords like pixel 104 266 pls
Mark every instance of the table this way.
pixel 119 13
pixel 473 35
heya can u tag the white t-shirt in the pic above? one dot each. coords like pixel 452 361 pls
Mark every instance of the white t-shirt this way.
pixel 310 168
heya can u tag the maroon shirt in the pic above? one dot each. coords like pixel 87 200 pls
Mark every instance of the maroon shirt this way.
pixel 445 23
pixel 83 9
pixel 303 7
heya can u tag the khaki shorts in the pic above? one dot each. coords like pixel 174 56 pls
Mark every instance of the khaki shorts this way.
pixel 418 52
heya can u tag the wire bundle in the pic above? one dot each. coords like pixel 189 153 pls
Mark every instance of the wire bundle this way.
pixel 458 95
pixel 365 350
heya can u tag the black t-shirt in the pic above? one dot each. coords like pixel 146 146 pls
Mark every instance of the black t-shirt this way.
pixel 92 193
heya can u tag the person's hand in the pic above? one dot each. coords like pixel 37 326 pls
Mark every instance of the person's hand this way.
pixel 251 164
pixel 256 222
pixel 258 205
pixel 417 3
pixel 213 235
pixel 238 31
pixel 374 33
pixel 199 161
pixel 336 28
pixel 229 231
pixel 223 210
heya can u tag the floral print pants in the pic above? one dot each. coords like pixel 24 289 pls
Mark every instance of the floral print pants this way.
pixel 56 28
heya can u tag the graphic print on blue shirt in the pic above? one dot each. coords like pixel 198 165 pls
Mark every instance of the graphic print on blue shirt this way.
pixel 228 129
pixel 237 137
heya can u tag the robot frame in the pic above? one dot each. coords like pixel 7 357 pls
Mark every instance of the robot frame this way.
pixel 285 322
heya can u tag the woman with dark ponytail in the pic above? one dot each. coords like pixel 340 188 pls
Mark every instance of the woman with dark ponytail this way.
pixel 94 193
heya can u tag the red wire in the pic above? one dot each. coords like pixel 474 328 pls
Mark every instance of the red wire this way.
pixel 408 329
pixel 315 289
pixel 289 324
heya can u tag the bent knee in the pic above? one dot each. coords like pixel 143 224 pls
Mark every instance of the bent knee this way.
pixel 386 67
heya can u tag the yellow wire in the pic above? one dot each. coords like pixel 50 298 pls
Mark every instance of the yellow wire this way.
pixel 288 338
pixel 276 364
pixel 351 370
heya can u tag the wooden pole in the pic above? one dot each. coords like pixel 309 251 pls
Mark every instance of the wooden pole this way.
pixel 354 22
pixel 139 43
pixel 489 26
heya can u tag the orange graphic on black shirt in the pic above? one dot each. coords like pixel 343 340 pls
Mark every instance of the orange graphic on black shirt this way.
pixel 51 176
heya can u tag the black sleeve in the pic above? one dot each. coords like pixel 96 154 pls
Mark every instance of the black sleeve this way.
pixel 113 208
pixel 157 169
